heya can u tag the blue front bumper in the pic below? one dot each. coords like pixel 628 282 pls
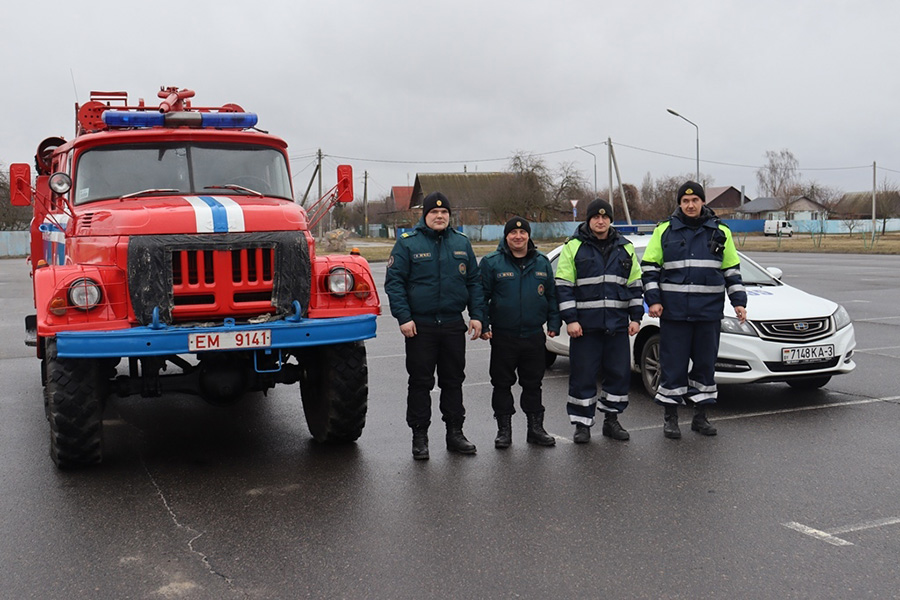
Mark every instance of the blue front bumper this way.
pixel 162 340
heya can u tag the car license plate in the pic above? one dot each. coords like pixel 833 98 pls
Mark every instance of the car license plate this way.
pixel 806 354
pixel 229 340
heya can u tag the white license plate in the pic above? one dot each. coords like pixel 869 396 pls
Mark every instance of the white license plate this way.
pixel 229 340
pixel 806 354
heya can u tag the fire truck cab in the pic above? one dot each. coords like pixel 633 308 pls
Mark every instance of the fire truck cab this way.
pixel 168 237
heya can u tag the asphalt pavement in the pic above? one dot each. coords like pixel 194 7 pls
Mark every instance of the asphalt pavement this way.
pixel 797 497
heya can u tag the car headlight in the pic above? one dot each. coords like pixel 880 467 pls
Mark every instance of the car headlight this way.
pixel 734 325
pixel 84 293
pixel 841 317
pixel 339 281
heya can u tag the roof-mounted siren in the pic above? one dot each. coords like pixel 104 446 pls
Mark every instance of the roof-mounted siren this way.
pixel 44 155
pixel 89 117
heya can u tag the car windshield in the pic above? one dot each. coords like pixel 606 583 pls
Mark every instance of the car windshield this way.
pixel 751 273
pixel 180 168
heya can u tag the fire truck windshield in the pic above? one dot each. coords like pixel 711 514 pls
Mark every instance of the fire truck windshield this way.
pixel 180 168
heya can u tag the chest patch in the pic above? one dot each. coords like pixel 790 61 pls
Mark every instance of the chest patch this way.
pixel 506 275
pixel 540 274
pixel 460 254
pixel 421 255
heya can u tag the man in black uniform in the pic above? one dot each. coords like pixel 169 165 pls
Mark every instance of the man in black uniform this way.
pixel 521 296
pixel 432 276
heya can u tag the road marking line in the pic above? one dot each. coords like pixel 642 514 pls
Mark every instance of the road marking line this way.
pixel 819 535
pixel 866 525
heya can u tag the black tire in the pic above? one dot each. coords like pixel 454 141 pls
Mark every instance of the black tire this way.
pixel 809 383
pixel 334 386
pixel 549 358
pixel 74 405
pixel 650 364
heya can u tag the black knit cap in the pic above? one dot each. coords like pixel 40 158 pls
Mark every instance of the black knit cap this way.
pixel 434 200
pixel 690 188
pixel 517 223
pixel 598 207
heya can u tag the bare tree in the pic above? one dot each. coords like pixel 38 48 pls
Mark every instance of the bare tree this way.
pixel 780 179
pixel 887 202
pixel 827 196
pixel 657 196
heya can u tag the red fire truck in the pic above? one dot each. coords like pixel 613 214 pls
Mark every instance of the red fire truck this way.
pixel 169 237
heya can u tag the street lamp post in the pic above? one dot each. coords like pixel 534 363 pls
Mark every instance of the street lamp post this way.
pixel 698 138
pixel 595 166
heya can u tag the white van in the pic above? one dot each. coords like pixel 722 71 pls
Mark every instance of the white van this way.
pixel 773 227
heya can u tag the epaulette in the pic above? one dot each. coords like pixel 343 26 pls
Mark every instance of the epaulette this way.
pixel 459 232
pixel 409 233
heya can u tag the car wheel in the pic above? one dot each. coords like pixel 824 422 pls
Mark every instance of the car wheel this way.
pixel 549 358
pixel 809 383
pixel 650 364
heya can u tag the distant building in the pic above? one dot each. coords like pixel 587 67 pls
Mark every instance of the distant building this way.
pixel 858 205
pixel 470 194
pixel 800 208
pixel 725 200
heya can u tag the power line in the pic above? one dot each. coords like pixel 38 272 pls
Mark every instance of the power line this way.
pixel 568 149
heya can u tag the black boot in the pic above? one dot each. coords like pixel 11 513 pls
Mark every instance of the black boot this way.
pixel 612 428
pixel 504 431
pixel 701 424
pixel 582 434
pixel 420 442
pixel 536 433
pixel 670 428
pixel 456 441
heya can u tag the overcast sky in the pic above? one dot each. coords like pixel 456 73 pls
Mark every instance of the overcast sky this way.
pixel 400 87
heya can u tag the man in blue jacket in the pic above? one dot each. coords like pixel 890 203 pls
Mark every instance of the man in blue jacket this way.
pixel 521 296
pixel 598 282
pixel 689 266
pixel 432 277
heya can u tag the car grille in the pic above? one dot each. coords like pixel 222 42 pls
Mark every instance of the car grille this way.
pixel 795 330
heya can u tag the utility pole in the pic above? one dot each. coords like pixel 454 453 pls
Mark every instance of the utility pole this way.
pixel 874 193
pixel 365 204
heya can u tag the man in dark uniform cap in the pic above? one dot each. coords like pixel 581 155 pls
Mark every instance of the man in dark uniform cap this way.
pixel 432 277
pixel 521 296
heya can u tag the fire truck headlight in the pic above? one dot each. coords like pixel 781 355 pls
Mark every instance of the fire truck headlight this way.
pixel 60 183
pixel 84 293
pixel 339 281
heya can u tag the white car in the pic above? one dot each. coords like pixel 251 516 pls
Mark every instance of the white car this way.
pixel 790 336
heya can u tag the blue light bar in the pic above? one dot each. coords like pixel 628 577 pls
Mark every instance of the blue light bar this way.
pixel 223 120
pixel 230 120
pixel 123 118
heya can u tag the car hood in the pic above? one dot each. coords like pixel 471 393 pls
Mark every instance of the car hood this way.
pixel 775 303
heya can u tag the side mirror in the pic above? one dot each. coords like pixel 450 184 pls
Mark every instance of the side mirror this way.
pixel 20 184
pixel 345 183
pixel 775 272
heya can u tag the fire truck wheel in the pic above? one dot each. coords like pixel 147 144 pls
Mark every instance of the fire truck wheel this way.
pixel 74 406
pixel 335 390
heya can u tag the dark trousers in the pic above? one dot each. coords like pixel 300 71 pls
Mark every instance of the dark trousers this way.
pixel 598 353
pixel 679 343
pixel 441 347
pixel 511 355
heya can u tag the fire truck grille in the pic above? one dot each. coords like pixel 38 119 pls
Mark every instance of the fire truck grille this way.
pixel 210 277
pixel 241 281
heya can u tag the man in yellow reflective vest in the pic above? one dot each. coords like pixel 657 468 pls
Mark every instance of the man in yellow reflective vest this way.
pixel 689 266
